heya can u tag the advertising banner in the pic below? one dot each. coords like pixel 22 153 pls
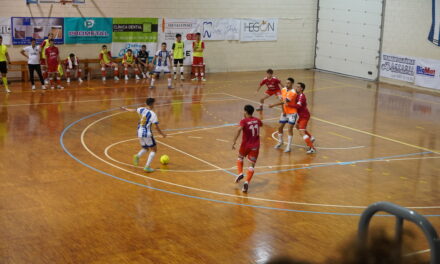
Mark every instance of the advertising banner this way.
pixel 259 29
pixel 5 30
pixel 427 73
pixel 135 29
pixel 88 30
pixel 119 48
pixel 187 27
pixel 219 29
pixel 26 28
pixel 397 67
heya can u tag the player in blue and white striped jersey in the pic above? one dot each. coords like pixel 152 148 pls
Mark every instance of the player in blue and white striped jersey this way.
pixel 145 134
pixel 163 63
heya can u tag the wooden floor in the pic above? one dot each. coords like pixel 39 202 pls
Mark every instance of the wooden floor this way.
pixel 69 194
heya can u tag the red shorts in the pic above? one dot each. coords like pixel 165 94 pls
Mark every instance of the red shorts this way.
pixel 110 64
pixel 302 122
pixel 43 61
pixel 276 92
pixel 250 153
pixel 198 61
pixel 52 68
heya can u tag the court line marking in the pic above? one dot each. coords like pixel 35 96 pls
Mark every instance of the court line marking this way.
pixel 221 140
pixel 417 252
pixel 305 147
pixel 185 195
pixel 355 129
pixel 107 149
pixel 226 194
pixel 96 100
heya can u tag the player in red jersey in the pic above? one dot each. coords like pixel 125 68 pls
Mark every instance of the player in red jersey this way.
pixel 250 144
pixel 44 45
pixel 52 62
pixel 273 87
pixel 304 116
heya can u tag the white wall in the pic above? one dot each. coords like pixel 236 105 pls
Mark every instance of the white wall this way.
pixel 406 28
pixel 295 47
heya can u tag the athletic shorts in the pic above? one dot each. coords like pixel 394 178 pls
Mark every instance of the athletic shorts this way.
pixel 160 69
pixel 250 153
pixel 276 92
pixel 52 68
pixel 176 61
pixel 126 64
pixel 302 122
pixel 3 67
pixel 147 142
pixel 289 118
pixel 110 64
pixel 197 61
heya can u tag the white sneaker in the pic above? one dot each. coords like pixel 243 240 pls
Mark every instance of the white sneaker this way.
pixel 43 87
pixel 170 87
pixel 203 79
pixel 137 77
pixel 195 79
pixel 52 87
pixel 7 90
pixel 126 77
pixel 116 78
pixel 103 79
pixel 182 77
pixel 287 150
pixel 80 80
pixel 277 146
pixel 33 87
pixel 68 80
pixel 46 82
pixel 175 77
pixel 311 151
pixel 60 87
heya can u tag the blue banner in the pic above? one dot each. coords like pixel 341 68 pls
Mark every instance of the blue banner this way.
pixel 25 28
pixel 434 33
pixel 88 30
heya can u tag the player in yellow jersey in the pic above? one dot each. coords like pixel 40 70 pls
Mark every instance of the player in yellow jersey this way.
pixel 105 59
pixel 44 45
pixel 198 48
pixel 129 60
pixel 178 55
pixel 4 61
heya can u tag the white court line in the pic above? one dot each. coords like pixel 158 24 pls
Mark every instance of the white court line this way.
pixel 221 140
pixel 301 146
pixel 353 129
pixel 208 191
pixel 417 253
pixel 195 137
pixel 107 149
pixel 95 100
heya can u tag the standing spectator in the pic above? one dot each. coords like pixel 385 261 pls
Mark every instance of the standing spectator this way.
pixel 33 55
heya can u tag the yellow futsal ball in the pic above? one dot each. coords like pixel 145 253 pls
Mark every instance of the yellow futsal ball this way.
pixel 164 159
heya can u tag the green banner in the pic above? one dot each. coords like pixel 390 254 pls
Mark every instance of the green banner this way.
pixel 135 29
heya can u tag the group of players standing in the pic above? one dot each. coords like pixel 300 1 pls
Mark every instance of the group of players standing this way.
pixel 45 60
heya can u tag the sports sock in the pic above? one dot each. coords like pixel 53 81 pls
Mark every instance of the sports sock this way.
pixel 308 141
pixel 116 72
pixel 169 81
pixel 240 166
pixel 175 70
pixel 181 70
pixel 150 158
pixel 250 173
pixel 280 138
pixel 152 81
pixel 289 141
pixel 103 72
pixel 58 81
pixel 5 82
pixel 68 73
pixel 141 152
pixel 307 133
pixel 125 71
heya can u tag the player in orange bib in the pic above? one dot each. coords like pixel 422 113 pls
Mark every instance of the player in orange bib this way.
pixel 289 115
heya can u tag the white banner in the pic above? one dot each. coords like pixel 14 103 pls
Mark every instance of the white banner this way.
pixel 219 28
pixel 169 27
pixel 397 67
pixel 119 48
pixel 5 30
pixel 427 73
pixel 259 29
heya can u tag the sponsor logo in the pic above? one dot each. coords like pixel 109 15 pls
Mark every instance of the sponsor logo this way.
pixel 425 71
pixel 263 26
pixel 179 25
pixel 89 23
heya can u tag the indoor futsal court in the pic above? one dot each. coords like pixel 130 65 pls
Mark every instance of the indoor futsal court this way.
pixel 95 171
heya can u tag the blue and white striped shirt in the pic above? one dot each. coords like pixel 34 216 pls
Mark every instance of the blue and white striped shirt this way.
pixel 147 117
pixel 162 57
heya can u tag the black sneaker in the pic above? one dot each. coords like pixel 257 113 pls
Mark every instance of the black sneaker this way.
pixel 245 187
pixel 239 178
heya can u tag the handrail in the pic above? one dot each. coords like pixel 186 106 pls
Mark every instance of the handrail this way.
pixel 401 214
